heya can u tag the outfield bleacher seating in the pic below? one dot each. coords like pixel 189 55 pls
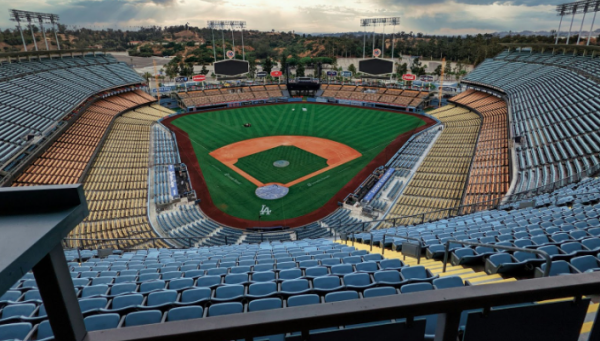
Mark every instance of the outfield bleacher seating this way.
pixel 232 94
pixel 393 96
pixel 554 110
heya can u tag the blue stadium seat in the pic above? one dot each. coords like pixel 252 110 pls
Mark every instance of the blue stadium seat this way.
pixel 101 322
pixel 126 301
pixel 229 293
pixel 225 308
pixel 316 272
pixel 294 287
pixel 161 299
pixel 194 296
pixel 586 263
pixel 327 284
pixel 139 318
pixel 91 304
pixel 17 310
pixel 391 264
pixel 184 313
pixel 358 281
pixel 208 281
pixel 44 331
pixel 261 290
pixel 236 278
pixel 290 274
pixel 380 291
pixel 15 331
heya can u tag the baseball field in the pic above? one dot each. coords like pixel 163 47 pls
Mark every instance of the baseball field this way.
pixel 315 150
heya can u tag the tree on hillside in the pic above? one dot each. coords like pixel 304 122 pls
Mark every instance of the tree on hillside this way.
pixel 401 69
pixel 172 70
pixel 448 68
pixel 204 70
pixel 352 69
pixel 267 65
pixel 300 70
pixel 251 67
pixel 415 66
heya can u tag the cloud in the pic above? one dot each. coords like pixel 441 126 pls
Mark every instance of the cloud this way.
pixel 307 16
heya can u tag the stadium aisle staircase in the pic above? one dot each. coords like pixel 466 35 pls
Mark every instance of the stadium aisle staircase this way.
pixel 436 267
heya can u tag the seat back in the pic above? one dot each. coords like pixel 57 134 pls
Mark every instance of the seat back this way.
pixel 294 285
pixel 262 288
pixel 139 318
pixel 225 308
pixel 185 313
pixel 264 304
pixel 300 300
pixel 127 301
pixel 381 291
pixel 326 282
pixel 17 331
pixel 162 297
pixel 341 296
pixel 101 322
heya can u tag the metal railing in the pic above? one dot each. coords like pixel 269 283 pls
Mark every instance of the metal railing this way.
pixel 448 304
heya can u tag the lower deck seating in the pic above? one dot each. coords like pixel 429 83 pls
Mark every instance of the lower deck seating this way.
pixel 117 185
pixel 440 180
pixel 489 176
pixel 66 159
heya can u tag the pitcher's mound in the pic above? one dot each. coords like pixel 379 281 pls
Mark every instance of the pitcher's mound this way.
pixel 281 163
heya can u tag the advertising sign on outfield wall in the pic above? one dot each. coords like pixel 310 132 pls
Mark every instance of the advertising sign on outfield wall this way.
pixel 199 78
pixel 331 73
pixel 409 78
pixel 276 73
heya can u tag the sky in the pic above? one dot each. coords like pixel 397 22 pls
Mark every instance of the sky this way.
pixel 447 17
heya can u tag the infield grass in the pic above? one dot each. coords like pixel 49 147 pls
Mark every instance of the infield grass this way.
pixel 260 165
pixel 367 131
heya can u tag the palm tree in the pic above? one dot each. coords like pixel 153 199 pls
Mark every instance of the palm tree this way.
pixel 147 76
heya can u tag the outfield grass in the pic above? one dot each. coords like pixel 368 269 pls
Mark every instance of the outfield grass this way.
pixel 367 131
pixel 260 165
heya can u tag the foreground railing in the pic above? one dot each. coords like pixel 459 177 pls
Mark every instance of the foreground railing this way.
pixel 447 304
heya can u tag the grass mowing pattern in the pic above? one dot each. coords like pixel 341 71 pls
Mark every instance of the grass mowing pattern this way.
pixel 367 131
pixel 260 165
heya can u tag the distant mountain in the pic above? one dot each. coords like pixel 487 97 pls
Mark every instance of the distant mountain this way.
pixel 498 34
pixel 542 33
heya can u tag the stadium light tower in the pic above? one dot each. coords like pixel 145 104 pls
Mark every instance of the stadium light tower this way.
pixel 18 16
pixel 223 24
pixel 595 9
pixel 393 21
pixel 574 8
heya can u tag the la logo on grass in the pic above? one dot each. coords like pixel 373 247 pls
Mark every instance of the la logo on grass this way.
pixel 265 210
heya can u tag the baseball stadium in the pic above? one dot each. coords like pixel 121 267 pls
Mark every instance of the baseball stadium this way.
pixel 168 184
